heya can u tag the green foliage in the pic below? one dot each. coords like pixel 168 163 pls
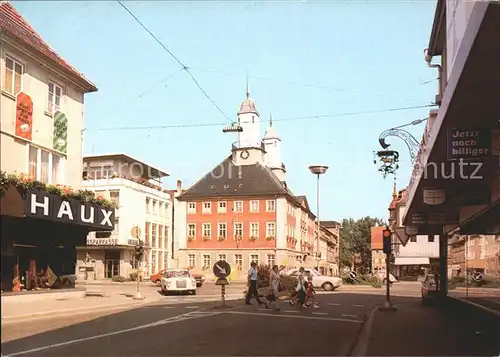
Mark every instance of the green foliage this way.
pixel 361 280
pixel 355 238
pixel 119 279
pixel 23 182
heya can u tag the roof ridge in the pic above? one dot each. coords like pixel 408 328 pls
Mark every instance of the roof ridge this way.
pixel 206 175
pixel 16 25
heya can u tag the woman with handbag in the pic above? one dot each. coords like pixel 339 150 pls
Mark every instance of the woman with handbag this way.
pixel 275 287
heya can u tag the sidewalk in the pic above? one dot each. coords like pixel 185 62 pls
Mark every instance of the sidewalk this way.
pixel 96 299
pixel 415 330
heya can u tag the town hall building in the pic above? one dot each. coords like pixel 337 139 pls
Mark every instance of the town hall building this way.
pixel 242 210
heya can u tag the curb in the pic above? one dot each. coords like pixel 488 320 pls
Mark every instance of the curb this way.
pixel 360 344
pixel 77 311
pixel 477 306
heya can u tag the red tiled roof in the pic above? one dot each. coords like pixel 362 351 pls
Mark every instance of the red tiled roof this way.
pixel 14 24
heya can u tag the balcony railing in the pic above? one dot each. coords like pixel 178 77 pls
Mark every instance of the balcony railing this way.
pixel 248 145
pixel 131 183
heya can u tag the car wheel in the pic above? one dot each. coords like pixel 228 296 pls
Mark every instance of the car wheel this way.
pixel 199 285
pixel 158 282
pixel 193 292
pixel 328 286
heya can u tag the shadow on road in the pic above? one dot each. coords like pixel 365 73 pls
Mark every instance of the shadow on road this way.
pixel 248 330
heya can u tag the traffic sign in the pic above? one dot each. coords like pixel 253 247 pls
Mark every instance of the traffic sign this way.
pixel 353 275
pixel 222 269
pixel 478 276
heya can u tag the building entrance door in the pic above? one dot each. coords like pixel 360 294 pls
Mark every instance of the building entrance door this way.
pixel 112 263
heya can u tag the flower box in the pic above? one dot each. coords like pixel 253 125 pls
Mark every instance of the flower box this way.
pixel 206 238
pixel 270 237
pixel 221 238
pixel 238 238
pixel 190 238
pixel 253 238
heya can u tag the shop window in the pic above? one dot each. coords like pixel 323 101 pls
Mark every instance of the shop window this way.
pixel 271 260
pixel 191 260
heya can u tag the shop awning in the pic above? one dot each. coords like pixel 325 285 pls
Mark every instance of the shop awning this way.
pixel 411 261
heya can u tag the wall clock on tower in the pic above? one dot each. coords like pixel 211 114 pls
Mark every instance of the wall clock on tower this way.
pixel 245 154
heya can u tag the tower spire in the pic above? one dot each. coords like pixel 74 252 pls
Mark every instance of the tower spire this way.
pixel 247 88
pixel 394 191
pixel 270 119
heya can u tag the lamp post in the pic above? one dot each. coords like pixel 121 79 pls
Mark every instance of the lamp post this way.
pixel 317 170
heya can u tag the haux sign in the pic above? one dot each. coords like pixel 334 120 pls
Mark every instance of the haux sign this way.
pixel 44 205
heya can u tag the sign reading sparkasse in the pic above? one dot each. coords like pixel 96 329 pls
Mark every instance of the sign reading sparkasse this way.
pixel 102 241
pixel 44 205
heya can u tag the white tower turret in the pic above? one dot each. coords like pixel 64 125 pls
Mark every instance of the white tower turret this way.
pixel 249 148
pixel 272 145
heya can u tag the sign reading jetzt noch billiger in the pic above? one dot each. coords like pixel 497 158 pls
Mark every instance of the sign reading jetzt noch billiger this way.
pixel 44 205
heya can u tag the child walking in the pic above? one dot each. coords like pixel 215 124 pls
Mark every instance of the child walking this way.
pixel 310 294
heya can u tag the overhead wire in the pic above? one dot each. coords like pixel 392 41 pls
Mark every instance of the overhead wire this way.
pixel 184 67
pixel 319 86
pixel 199 125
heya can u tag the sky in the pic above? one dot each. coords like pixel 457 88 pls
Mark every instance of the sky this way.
pixel 325 70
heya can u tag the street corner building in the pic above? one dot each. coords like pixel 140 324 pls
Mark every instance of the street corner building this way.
pixel 454 187
pixel 143 213
pixel 44 215
pixel 242 211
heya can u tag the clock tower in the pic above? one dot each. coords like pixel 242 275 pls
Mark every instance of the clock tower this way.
pixel 249 149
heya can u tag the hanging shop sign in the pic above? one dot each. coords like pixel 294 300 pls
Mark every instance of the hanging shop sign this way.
pixel 102 241
pixel 24 116
pixel 469 143
pixel 44 205
pixel 60 134
pixel 434 196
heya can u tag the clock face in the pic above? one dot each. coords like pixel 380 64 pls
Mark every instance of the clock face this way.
pixel 244 154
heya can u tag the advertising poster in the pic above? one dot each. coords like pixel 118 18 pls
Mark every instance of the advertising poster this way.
pixel 24 116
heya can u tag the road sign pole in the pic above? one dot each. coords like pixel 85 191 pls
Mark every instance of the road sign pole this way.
pixel 223 294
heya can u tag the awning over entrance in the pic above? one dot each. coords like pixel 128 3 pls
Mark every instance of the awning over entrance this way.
pixel 412 261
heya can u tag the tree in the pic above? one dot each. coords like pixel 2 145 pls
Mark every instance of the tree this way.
pixel 355 240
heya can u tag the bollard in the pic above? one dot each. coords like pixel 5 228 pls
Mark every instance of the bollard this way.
pixel 223 294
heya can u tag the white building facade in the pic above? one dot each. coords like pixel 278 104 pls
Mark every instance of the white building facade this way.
pixel 145 213
pixel 420 250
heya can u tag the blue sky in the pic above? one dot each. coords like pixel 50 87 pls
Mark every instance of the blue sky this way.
pixel 303 59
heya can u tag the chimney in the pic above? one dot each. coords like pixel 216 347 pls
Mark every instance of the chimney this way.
pixel 179 186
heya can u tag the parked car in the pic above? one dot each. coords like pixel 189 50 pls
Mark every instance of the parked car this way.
pixel 156 278
pixel 429 289
pixel 178 280
pixel 383 276
pixel 200 279
pixel 324 282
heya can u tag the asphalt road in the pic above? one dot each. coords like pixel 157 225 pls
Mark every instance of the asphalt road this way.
pixel 197 329
pixel 191 326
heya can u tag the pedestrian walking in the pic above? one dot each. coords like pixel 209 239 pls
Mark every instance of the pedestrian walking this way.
pixel 252 285
pixel 275 288
pixel 300 290
pixel 310 294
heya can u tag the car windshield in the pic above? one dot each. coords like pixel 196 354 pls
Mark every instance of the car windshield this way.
pixel 176 274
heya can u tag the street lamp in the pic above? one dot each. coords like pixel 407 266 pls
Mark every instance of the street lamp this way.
pixel 317 170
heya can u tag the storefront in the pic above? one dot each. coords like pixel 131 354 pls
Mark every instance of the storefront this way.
pixel 105 258
pixel 39 235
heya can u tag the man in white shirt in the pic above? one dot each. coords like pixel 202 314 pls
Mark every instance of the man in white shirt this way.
pixel 252 284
